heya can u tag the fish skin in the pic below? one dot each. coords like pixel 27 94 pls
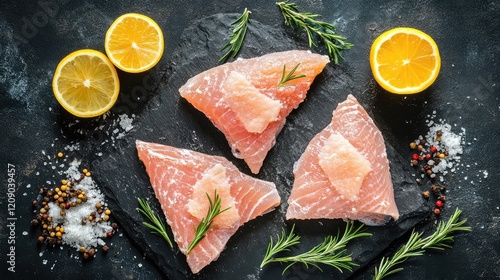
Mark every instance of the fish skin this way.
pixel 312 196
pixel 173 172
pixel 204 92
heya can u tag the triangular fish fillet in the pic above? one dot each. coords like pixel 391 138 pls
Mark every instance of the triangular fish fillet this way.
pixel 174 172
pixel 314 195
pixel 251 141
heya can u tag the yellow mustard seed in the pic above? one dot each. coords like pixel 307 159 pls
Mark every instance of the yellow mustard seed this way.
pixel 60 154
pixel 85 170
pixel 80 196
pixel 107 212
pixel 88 173
pixel 58 228
pixel 64 182
pixel 52 234
pixel 57 190
pixel 61 229
pixel 90 218
pixel 441 155
pixel 56 197
pixel 58 234
pixel 64 188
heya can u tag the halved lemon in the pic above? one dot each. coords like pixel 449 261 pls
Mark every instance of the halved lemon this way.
pixel 85 83
pixel 405 60
pixel 134 43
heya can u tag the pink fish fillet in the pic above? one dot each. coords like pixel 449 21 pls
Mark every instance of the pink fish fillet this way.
pixel 178 174
pixel 243 100
pixel 344 172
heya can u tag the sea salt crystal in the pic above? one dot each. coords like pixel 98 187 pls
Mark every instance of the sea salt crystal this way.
pixel 125 122
pixel 76 234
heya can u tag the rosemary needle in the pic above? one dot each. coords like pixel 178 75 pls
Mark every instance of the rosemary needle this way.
pixel 206 223
pixel 294 18
pixel 158 226
pixel 237 36
pixel 330 252
pixel 285 78
pixel 283 244
pixel 416 245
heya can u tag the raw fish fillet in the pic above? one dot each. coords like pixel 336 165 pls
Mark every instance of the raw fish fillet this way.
pixel 243 101
pixel 344 172
pixel 179 177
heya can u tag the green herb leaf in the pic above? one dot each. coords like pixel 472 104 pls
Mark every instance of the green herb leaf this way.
pixel 158 225
pixel 314 28
pixel 237 36
pixel 330 252
pixel 288 77
pixel 206 223
pixel 416 245
pixel 282 245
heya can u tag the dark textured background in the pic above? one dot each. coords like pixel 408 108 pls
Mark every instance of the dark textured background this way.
pixel 465 94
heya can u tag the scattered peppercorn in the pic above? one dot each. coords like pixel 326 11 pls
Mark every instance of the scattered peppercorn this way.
pixel 439 203
pixel 437 211
pixel 426 194
pixel 413 145
pixel 434 188
pixel 105 248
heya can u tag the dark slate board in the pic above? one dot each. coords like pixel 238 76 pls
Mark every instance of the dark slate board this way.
pixel 168 119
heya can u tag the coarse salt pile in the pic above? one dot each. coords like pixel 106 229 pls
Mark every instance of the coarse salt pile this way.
pixel 78 234
pixel 447 141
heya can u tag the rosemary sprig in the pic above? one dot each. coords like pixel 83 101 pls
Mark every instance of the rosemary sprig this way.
pixel 334 43
pixel 282 245
pixel 416 245
pixel 206 223
pixel 288 77
pixel 330 252
pixel 237 36
pixel 158 225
